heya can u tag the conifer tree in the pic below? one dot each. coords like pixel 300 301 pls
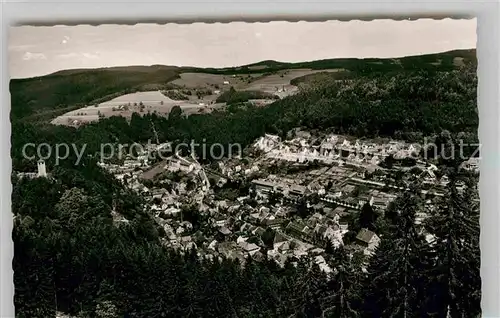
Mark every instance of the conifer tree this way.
pixel 394 277
pixel 343 301
pixel 455 277
pixel 367 217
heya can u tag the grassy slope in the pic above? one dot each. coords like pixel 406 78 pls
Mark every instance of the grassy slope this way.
pixel 42 97
pixel 79 87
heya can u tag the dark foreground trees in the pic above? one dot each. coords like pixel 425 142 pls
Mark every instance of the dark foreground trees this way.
pixel 396 278
pixel 455 230
pixel 71 257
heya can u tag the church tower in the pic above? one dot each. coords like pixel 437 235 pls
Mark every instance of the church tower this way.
pixel 42 172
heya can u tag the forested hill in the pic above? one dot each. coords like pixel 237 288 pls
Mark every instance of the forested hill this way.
pixel 60 91
pixel 437 61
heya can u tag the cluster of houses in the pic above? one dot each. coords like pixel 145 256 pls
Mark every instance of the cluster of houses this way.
pixel 263 187
pixel 293 239
pixel 164 202
pixel 237 170
pixel 333 149
pixel 177 163
pixel 341 192
pixel 237 227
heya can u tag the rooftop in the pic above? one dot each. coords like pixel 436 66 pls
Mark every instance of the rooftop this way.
pixel 365 235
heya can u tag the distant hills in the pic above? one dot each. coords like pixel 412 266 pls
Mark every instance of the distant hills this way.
pixel 74 88
pixel 438 61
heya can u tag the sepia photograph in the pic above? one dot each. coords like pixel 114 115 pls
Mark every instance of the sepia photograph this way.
pixel 246 169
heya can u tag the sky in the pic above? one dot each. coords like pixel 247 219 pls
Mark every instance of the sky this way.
pixel 35 51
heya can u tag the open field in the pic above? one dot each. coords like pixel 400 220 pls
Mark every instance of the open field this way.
pixel 279 83
pixel 126 105
pixel 154 171
pixel 155 101
pixel 276 83
pixel 205 80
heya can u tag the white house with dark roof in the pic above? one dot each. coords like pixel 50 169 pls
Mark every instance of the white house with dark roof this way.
pixel 368 240
pixel 249 248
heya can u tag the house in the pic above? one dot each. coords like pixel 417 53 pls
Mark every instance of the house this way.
pixel 328 212
pixel 320 261
pixel 241 239
pixel 364 198
pixel 274 223
pixel 220 220
pixel 347 189
pixel 297 229
pixel 314 219
pixel 281 212
pixel 42 171
pixel 330 232
pixel 213 245
pixel 245 227
pixel 231 250
pixel 263 216
pixel 284 248
pixel 171 236
pixel 172 211
pixel 254 217
pixel 258 231
pixel 263 186
pixel 368 240
pixel 472 164
pixel 279 239
pixel 187 243
pixel 264 210
pixel 249 248
pixel 444 180
pixel 279 258
pixel 318 207
pixel 177 163
pixel 344 226
pixel 258 256
pixel 299 251
pixel 380 201
pixel 340 211
pixel 223 234
pixel 296 191
pixel 429 176
pixel 317 251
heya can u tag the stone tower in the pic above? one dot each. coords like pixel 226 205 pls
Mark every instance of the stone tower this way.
pixel 42 172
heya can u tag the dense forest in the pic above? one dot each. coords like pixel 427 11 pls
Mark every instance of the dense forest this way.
pixel 71 257
pixel 233 97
